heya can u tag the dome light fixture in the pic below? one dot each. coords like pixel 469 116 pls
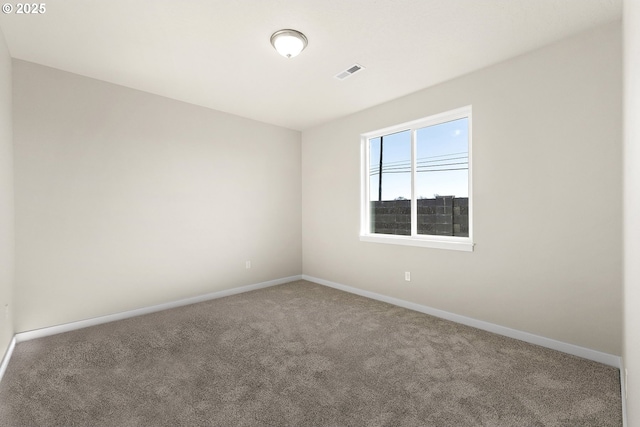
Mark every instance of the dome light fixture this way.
pixel 289 43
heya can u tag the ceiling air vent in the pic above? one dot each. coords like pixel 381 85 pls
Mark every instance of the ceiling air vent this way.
pixel 349 71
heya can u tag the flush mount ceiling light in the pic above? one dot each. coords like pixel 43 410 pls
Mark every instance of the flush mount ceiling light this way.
pixel 288 43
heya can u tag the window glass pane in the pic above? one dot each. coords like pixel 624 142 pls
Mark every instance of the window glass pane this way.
pixel 442 178
pixel 390 183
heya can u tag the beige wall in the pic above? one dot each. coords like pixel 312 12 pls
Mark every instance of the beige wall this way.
pixel 632 207
pixel 547 188
pixel 6 201
pixel 126 199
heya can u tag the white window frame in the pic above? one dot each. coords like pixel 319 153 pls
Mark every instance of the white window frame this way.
pixel 423 240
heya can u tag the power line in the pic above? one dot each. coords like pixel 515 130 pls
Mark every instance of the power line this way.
pixel 441 160
pixel 419 164
pixel 385 169
pixel 444 170
pixel 422 159
pixel 420 168
pixel 423 171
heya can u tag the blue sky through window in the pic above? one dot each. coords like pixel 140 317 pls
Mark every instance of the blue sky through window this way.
pixel 442 162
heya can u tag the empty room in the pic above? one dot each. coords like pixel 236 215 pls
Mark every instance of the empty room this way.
pixel 320 213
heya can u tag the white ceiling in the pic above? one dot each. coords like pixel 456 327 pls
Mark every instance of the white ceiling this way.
pixel 216 53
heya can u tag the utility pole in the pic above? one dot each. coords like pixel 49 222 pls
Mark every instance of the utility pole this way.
pixel 380 177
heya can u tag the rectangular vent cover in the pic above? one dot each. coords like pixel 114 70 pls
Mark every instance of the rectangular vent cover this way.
pixel 349 71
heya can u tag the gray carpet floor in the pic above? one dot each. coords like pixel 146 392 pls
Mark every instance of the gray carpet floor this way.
pixel 300 354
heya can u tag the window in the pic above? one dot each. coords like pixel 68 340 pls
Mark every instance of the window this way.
pixel 416 183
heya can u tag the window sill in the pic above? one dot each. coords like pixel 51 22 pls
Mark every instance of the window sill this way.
pixel 452 243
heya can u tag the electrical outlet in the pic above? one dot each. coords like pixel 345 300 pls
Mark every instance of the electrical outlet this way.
pixel 247 265
pixel 407 276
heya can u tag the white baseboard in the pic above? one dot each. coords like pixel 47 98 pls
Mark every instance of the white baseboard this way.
pixel 58 329
pixel 7 357
pixel 585 353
